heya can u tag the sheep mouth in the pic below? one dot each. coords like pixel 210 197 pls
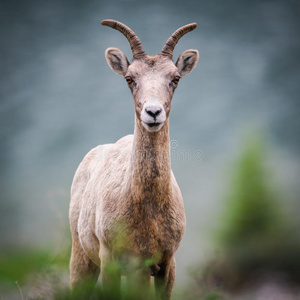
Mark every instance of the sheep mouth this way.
pixel 153 124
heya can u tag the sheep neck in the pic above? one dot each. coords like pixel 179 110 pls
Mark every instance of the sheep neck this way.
pixel 150 164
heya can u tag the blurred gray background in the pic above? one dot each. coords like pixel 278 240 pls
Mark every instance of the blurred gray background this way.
pixel 59 99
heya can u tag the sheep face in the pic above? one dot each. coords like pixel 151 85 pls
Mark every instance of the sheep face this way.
pixel 152 81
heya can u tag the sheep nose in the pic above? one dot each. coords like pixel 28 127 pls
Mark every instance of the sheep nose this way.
pixel 153 111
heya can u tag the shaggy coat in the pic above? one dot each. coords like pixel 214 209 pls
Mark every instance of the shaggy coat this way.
pixel 126 205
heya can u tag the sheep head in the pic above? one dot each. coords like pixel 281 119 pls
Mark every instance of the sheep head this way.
pixel 151 79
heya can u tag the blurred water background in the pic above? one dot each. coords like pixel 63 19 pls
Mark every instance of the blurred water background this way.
pixel 59 99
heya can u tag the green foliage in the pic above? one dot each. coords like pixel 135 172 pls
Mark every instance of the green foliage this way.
pixel 20 267
pixel 255 236
pixel 14 266
pixel 252 212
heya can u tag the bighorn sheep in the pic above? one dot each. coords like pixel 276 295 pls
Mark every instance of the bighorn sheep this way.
pixel 125 201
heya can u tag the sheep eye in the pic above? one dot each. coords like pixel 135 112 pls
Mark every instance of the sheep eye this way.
pixel 176 80
pixel 129 80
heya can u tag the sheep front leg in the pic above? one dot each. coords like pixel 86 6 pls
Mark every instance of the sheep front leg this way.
pixel 110 276
pixel 164 281
pixel 83 272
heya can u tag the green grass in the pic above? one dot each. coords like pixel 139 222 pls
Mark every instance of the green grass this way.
pixel 16 265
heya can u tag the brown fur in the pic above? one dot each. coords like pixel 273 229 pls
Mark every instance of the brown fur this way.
pixel 125 204
pixel 142 196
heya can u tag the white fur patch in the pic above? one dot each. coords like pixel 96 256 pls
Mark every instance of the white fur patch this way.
pixel 152 117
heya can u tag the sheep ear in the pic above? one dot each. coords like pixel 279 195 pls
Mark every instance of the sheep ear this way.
pixel 187 61
pixel 117 60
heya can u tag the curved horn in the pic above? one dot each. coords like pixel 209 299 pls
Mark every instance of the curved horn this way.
pixel 174 38
pixel 135 43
